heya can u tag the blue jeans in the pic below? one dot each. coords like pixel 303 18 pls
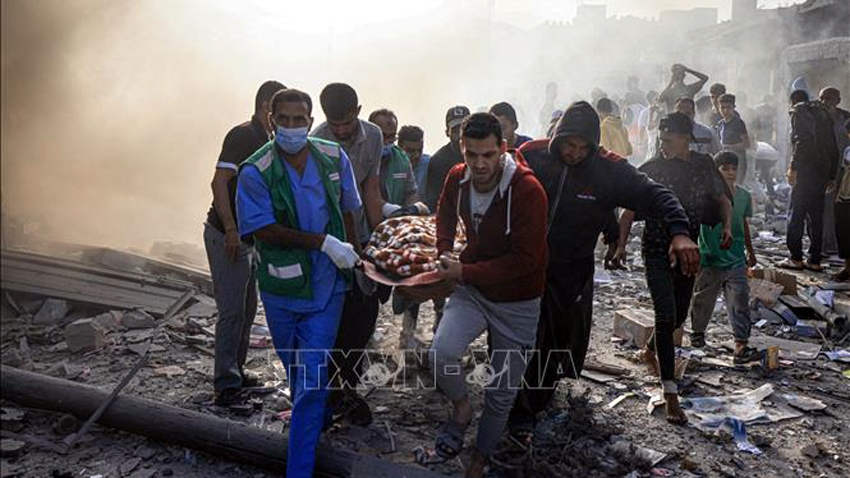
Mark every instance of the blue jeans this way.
pixel 736 292
pixel 235 286
pixel 303 343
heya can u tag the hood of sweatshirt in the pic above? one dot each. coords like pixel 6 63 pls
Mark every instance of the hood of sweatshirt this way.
pixel 581 120
pixel 511 173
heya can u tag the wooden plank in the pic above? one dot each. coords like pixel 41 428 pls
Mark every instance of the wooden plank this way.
pixel 219 437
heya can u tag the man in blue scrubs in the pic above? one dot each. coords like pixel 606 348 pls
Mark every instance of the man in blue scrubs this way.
pixel 296 196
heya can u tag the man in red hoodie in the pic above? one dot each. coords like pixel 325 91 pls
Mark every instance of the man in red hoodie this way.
pixel 500 278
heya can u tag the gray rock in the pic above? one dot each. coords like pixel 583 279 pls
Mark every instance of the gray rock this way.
pixel 10 448
pixel 138 319
pixel 109 320
pixel 51 312
pixel 84 335
pixel 128 466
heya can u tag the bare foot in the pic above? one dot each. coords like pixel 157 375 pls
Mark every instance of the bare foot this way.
pixel 675 414
pixel 476 465
pixel 651 361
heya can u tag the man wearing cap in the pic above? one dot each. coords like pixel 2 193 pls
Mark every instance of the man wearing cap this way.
pixel 446 157
pixel 583 183
pixel 700 189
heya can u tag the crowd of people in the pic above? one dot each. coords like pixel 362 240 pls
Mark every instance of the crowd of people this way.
pixel 294 205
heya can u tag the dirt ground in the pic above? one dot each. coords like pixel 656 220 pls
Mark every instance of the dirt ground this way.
pixel 580 435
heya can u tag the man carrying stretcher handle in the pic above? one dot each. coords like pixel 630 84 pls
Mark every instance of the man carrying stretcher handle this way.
pixel 499 280
pixel 296 196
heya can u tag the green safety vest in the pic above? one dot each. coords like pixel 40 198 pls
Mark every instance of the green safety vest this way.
pixel 398 167
pixel 287 271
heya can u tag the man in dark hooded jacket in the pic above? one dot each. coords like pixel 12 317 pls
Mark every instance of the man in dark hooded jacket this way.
pixel 584 183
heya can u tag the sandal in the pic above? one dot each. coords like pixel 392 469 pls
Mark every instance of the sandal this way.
pixel 747 355
pixel 790 264
pixel 449 442
pixel 813 267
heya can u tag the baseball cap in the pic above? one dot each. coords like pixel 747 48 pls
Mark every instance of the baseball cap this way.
pixel 455 116
pixel 676 123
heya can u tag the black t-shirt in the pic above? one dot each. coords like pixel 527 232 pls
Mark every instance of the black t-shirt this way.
pixel 240 143
pixel 438 168
pixel 696 183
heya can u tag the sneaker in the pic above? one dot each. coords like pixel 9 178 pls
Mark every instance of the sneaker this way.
pixel 355 409
pixel 251 379
pixel 697 340
pixel 747 355
pixel 230 397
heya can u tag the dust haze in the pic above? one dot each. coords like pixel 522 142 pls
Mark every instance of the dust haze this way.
pixel 113 112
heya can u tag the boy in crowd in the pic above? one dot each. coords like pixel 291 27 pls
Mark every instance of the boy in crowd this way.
pixel 726 269
pixel 733 133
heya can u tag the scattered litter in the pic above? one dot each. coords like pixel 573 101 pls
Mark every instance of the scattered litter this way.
pixel 618 400
pixel 838 355
pixel 805 404
pixel 739 434
pixel 710 412
pixel 711 378
pixel 826 297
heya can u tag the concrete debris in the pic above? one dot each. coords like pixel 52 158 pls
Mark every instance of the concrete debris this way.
pixel 128 466
pixel 84 335
pixel 203 307
pixel 10 448
pixel 11 419
pixel 169 371
pixel 137 319
pixel 634 325
pixel 51 312
pixel 109 320
pixel 765 291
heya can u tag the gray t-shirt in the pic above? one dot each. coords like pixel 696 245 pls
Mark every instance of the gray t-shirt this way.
pixel 364 152
pixel 479 203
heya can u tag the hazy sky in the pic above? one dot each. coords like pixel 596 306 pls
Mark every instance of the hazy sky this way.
pixel 113 111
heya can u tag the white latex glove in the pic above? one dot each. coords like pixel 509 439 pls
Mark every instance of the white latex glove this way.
pixel 388 208
pixel 341 253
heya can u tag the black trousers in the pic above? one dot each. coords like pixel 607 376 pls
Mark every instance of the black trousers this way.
pixel 563 336
pixel 842 228
pixel 359 315
pixel 807 202
pixel 671 293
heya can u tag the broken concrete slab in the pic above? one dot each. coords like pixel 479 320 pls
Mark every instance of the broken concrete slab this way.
pixel 765 291
pixel 137 319
pixel 109 320
pixel 786 280
pixel 51 312
pixel 84 335
pixel 203 307
pixel 634 325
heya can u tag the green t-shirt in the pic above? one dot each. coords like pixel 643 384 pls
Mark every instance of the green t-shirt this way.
pixel 709 237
